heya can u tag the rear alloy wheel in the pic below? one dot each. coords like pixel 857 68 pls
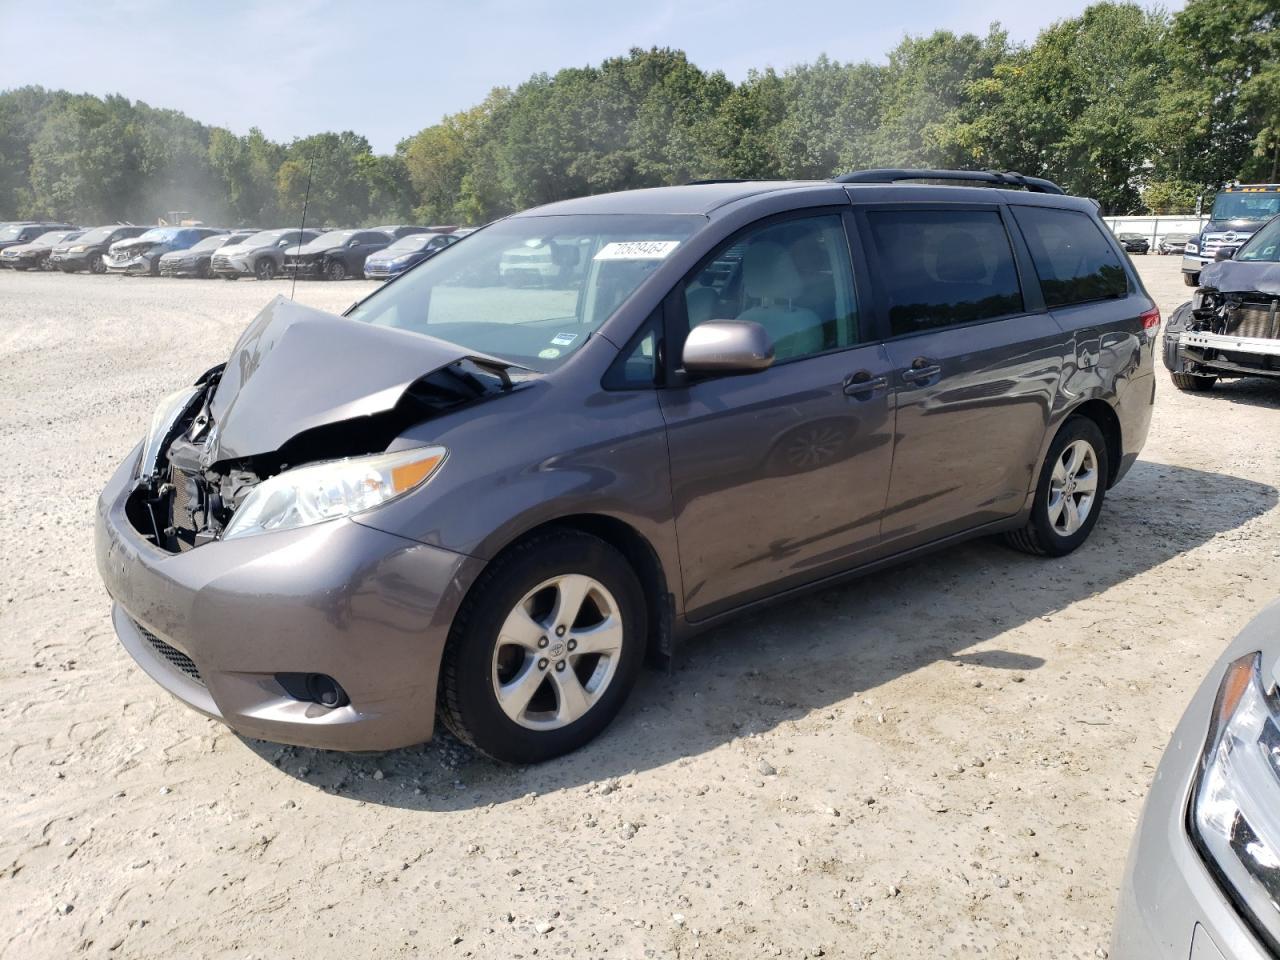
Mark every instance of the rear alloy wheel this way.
pixel 335 270
pixel 265 269
pixel 545 648
pixel 1193 382
pixel 1069 494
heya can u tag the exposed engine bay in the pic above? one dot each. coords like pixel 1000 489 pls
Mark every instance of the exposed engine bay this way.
pixel 333 395
pixel 1232 324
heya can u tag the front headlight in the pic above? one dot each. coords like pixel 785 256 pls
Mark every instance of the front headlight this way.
pixel 1191 247
pixel 1235 809
pixel 171 408
pixel 326 491
pixel 79 248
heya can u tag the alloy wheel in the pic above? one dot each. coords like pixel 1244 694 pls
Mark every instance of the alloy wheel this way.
pixel 1073 487
pixel 557 652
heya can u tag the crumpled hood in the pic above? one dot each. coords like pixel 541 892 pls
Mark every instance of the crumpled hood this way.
pixel 136 246
pixel 1235 276
pixel 296 368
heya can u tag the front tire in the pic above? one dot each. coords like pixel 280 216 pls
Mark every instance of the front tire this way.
pixel 335 270
pixel 1069 493
pixel 1192 382
pixel 265 269
pixel 96 265
pixel 1191 279
pixel 545 648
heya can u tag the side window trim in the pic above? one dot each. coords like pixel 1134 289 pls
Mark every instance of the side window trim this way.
pixel 675 311
pixel 880 295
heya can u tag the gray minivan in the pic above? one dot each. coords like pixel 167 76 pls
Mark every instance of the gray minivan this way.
pixel 493 501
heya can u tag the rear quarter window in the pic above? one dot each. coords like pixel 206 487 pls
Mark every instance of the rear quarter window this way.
pixel 944 268
pixel 1072 257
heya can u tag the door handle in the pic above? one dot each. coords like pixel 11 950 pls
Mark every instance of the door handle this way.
pixel 863 386
pixel 921 369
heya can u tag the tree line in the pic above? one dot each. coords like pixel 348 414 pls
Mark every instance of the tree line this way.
pixel 1139 109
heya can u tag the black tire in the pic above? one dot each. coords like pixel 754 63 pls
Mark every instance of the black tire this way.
pixel 335 270
pixel 467 702
pixel 1191 279
pixel 264 268
pixel 1039 536
pixel 96 265
pixel 1193 382
pixel 202 270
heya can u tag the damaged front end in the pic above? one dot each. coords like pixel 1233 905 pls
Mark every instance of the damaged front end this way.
pixel 301 388
pixel 1231 327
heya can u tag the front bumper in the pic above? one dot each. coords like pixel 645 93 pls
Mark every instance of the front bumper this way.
pixel 71 261
pixel 307 268
pixel 234 266
pixel 368 608
pixel 1194 263
pixel 135 265
pixel 383 271
pixel 1170 906
pixel 179 268
pixel 1225 353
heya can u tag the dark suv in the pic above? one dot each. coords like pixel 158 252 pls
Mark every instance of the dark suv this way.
pixel 339 254
pixel 493 501
pixel 24 231
pixel 86 252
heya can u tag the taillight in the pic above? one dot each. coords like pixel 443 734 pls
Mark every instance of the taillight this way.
pixel 1151 319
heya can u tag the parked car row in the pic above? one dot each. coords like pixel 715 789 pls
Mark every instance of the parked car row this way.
pixel 191 251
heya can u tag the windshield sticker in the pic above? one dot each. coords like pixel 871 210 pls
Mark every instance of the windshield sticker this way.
pixel 564 339
pixel 637 250
pixel 549 354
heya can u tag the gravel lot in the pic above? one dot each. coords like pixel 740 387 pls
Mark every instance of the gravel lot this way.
pixel 946 759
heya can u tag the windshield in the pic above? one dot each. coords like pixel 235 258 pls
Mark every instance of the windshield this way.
pixel 210 243
pixel 334 238
pixel 415 241
pixel 529 290
pixel 13 231
pixel 1246 206
pixel 1263 246
pixel 98 234
pixel 265 238
pixel 160 234
pixel 52 237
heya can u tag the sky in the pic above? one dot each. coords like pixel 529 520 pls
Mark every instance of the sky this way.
pixel 388 68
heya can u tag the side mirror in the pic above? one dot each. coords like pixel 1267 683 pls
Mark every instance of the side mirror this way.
pixel 1224 253
pixel 727 346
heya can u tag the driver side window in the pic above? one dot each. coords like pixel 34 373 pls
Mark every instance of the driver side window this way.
pixel 792 277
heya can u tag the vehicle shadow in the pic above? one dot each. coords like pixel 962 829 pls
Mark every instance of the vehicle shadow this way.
pixel 1248 391
pixel 807 654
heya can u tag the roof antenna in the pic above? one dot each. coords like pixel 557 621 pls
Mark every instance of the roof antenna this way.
pixel 306 199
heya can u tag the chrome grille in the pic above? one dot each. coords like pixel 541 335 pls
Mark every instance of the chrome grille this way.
pixel 175 657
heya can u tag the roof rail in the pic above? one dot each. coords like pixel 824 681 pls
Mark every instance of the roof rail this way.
pixel 891 175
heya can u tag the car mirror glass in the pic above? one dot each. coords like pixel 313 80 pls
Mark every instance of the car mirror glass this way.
pixel 727 346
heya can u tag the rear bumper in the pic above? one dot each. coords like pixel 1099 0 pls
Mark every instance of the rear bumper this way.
pixel 368 608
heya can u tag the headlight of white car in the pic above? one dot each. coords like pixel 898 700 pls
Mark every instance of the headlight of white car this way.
pixel 1191 247
pixel 337 488
pixel 1235 809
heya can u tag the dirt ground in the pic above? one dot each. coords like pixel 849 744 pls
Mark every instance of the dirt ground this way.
pixel 942 760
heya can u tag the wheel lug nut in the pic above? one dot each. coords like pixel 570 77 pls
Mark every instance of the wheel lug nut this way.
pixel 560 666
pixel 542 642
pixel 542 663
pixel 559 631
pixel 573 644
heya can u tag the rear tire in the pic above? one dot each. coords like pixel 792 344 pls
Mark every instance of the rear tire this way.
pixel 1193 382
pixel 569 698
pixel 1063 513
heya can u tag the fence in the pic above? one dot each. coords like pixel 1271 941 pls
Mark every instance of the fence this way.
pixel 1154 228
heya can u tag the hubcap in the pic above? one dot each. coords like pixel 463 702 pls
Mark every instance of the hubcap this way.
pixel 557 652
pixel 1073 487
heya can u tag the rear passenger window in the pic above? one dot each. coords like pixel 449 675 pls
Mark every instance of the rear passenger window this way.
pixel 1073 259
pixel 944 268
